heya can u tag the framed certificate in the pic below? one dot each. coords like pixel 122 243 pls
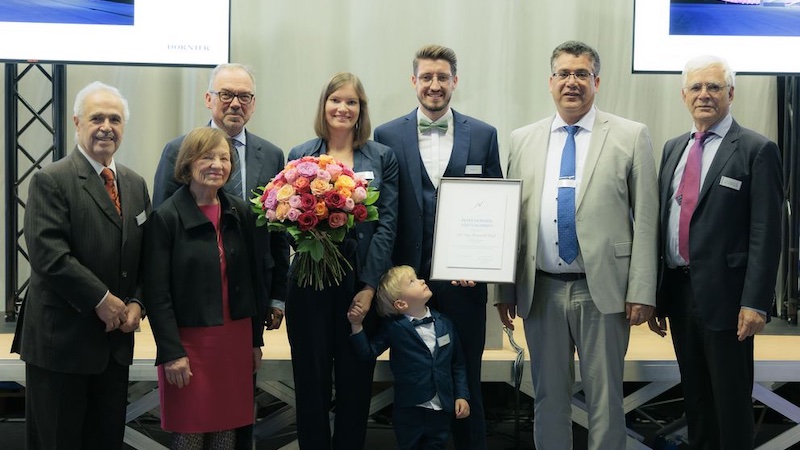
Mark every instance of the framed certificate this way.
pixel 477 230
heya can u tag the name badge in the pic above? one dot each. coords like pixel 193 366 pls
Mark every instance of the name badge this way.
pixel 730 183
pixel 567 183
pixel 443 340
pixel 141 218
pixel 473 169
pixel 368 175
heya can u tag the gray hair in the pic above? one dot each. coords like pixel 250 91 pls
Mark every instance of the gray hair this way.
pixel 96 86
pixel 705 61
pixel 231 66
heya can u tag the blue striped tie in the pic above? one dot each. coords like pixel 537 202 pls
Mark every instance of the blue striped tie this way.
pixel 567 236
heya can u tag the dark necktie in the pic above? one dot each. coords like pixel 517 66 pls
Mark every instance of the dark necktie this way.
pixel 423 321
pixel 567 235
pixel 689 191
pixel 234 185
pixel 108 177
pixel 425 125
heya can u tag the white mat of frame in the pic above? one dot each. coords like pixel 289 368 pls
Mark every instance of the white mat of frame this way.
pixel 650 359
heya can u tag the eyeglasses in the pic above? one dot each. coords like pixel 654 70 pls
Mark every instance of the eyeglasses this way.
pixel 427 78
pixel 711 88
pixel 579 75
pixel 244 98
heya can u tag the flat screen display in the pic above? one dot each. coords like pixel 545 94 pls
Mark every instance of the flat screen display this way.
pixel 128 32
pixel 755 36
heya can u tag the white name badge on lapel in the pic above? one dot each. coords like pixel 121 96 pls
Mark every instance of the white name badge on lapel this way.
pixel 443 340
pixel 368 175
pixel 730 183
pixel 473 169
pixel 141 218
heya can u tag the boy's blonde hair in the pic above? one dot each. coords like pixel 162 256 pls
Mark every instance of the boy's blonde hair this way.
pixel 390 288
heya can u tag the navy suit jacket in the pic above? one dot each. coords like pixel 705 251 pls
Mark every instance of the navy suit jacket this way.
pixel 474 144
pixel 418 374
pixel 375 239
pixel 263 161
pixel 735 232
pixel 79 248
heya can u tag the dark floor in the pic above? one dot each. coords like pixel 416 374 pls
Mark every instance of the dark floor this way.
pixel 500 399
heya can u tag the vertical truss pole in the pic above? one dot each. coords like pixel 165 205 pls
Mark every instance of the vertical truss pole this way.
pixel 21 162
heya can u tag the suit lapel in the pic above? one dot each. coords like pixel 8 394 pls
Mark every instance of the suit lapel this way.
pixel 93 185
pixel 411 149
pixel 599 135
pixel 253 157
pixel 124 186
pixel 406 324
pixel 458 158
pixel 726 149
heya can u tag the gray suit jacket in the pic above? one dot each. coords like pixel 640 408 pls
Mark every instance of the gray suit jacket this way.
pixel 616 213
pixel 79 248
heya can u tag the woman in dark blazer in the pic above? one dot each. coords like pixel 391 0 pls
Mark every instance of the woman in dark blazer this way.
pixel 316 321
pixel 201 298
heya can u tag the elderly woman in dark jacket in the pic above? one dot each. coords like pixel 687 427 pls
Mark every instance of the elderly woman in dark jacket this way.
pixel 201 298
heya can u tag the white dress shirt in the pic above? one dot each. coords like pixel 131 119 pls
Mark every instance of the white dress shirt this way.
pixel 547 250
pixel 436 147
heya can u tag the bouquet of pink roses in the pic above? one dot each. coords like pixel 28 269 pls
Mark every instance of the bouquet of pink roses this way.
pixel 316 200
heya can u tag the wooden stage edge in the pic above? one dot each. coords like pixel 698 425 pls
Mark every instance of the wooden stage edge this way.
pixel 649 358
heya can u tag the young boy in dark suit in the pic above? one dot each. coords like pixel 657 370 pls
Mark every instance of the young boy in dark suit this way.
pixel 426 360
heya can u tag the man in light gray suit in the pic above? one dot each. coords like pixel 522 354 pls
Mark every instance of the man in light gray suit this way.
pixel 587 259
pixel 84 226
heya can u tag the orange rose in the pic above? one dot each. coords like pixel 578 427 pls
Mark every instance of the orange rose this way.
pixel 345 182
pixel 320 210
pixel 319 187
pixel 286 191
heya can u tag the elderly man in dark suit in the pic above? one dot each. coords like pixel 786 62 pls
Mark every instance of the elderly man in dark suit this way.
pixel 721 195
pixel 231 97
pixel 432 142
pixel 83 227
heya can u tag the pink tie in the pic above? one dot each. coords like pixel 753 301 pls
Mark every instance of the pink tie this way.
pixel 689 190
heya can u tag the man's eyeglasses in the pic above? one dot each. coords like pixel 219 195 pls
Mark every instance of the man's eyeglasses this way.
pixel 579 75
pixel 427 78
pixel 227 97
pixel 711 88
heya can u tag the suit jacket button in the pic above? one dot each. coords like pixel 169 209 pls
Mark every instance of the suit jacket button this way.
pixel 124 274
pixel 361 235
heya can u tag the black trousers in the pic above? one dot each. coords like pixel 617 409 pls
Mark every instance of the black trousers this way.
pixel 66 411
pixel 716 373
pixel 466 308
pixel 323 358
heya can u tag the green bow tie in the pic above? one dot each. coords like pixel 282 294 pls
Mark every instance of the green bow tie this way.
pixel 425 125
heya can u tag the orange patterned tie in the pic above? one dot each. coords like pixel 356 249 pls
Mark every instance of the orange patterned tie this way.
pixel 111 188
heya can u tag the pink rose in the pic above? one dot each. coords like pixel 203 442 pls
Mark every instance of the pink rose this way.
pixel 334 170
pixel 323 175
pixel 295 202
pixel 307 169
pixel 272 199
pixel 307 221
pixel 348 204
pixel 359 213
pixel 337 219
pixel 290 175
pixel 293 214
pixel 270 215
pixel 359 194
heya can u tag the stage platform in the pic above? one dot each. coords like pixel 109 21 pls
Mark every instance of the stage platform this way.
pixel 650 361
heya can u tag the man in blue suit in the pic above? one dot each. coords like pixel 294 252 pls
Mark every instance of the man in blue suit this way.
pixel 430 382
pixel 432 142
pixel 231 97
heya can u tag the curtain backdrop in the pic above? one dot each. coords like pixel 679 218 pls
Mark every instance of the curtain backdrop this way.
pixel 503 49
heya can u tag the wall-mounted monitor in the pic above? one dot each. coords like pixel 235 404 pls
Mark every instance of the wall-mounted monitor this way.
pixel 129 32
pixel 755 36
